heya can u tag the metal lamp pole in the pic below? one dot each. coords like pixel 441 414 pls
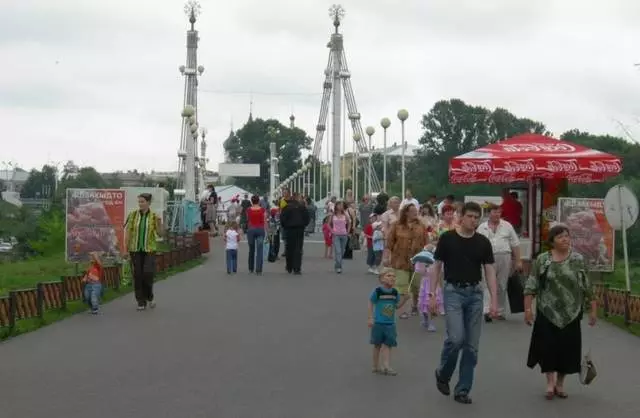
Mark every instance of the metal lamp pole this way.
pixel 356 138
pixel 385 123
pixel 403 115
pixel 370 131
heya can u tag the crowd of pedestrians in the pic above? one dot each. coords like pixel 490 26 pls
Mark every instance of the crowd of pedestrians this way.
pixel 436 258
pixel 463 265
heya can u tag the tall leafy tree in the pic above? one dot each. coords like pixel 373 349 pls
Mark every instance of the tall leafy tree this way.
pixel 250 145
pixel 453 127
pixel 41 184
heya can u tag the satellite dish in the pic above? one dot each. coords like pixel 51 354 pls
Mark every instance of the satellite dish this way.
pixel 621 207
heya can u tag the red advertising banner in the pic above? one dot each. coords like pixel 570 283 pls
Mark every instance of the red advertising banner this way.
pixel 95 223
pixel 591 234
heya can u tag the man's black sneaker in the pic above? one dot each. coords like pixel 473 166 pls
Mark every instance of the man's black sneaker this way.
pixel 487 318
pixel 462 398
pixel 443 387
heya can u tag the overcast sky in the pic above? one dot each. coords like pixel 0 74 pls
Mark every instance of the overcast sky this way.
pixel 97 82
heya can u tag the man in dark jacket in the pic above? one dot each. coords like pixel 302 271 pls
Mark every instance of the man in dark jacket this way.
pixel 293 219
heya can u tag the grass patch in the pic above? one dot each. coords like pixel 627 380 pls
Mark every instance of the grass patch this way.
pixel 616 278
pixel 25 274
pixel 55 315
pixel 618 321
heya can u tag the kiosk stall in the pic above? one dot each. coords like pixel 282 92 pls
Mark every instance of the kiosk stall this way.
pixel 537 167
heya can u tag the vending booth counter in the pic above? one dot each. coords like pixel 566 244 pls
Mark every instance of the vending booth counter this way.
pixel 538 168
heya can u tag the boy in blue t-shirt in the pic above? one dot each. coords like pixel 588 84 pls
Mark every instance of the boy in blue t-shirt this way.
pixel 383 303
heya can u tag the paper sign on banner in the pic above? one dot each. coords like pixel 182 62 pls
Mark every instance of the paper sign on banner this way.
pixel 95 223
pixel 591 234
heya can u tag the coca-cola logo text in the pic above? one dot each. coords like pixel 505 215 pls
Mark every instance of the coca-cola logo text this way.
pixel 480 166
pixel 562 166
pixel 520 166
pixel 463 178
pixel 584 178
pixel 607 166
pixel 503 178
pixel 542 148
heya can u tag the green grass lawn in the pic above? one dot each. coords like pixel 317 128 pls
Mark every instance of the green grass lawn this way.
pixel 616 279
pixel 26 274
pixel 74 307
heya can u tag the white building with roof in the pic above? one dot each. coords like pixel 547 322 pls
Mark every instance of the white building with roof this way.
pixel 13 179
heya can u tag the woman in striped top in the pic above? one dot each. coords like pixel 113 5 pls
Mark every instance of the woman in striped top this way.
pixel 142 228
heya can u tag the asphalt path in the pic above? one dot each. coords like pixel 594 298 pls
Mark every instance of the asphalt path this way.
pixel 280 345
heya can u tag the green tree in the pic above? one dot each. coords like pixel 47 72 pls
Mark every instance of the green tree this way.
pixel 630 153
pixel 17 223
pixel 41 184
pixel 85 178
pixel 452 128
pixel 250 145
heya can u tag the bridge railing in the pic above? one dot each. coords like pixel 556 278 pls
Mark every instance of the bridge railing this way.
pixel 53 295
pixel 618 302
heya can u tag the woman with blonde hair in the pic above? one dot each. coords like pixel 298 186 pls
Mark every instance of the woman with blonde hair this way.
pixel 407 237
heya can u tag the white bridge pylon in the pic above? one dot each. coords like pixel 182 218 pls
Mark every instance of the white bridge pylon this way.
pixel 337 79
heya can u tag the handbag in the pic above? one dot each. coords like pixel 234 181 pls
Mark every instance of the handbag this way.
pixel 588 370
pixel 515 293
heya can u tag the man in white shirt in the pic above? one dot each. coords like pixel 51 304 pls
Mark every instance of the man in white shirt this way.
pixel 409 199
pixel 506 252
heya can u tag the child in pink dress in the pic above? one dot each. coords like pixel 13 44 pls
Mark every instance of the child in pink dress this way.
pixel 328 237
pixel 425 295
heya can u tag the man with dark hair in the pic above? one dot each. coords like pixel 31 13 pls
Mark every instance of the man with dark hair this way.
pixel 463 253
pixel 244 205
pixel 293 219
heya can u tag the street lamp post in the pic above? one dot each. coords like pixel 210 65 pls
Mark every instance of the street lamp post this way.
pixel 385 123
pixel 403 115
pixel 356 138
pixel 370 131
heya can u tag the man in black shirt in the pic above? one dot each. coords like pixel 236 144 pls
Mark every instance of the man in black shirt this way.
pixel 463 253
pixel 294 219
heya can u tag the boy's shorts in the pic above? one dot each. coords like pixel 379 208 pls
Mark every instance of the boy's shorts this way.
pixel 384 334
pixel 402 281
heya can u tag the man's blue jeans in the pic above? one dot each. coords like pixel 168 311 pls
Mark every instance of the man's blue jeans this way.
pixel 92 294
pixel 339 247
pixel 463 309
pixel 255 238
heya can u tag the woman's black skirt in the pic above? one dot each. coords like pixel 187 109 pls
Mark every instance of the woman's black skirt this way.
pixel 555 349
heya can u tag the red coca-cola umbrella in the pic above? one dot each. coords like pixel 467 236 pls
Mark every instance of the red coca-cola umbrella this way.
pixel 529 156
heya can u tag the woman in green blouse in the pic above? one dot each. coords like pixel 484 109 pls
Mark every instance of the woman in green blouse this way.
pixel 560 284
pixel 142 228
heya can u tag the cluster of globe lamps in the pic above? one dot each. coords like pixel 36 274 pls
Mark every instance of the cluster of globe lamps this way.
pixel 385 123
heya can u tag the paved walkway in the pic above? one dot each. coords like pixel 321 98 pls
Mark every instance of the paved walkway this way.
pixel 282 346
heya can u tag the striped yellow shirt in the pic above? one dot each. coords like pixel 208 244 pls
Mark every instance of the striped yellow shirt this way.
pixel 142 231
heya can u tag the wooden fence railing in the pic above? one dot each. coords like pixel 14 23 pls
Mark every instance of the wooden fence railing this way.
pixel 618 302
pixel 32 303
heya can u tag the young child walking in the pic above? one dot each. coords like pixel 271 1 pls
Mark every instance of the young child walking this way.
pixel 232 238
pixel 328 237
pixel 425 295
pixel 383 304
pixel 368 234
pixel 378 245
pixel 92 282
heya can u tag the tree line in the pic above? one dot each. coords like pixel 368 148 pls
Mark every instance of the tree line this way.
pixel 450 128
